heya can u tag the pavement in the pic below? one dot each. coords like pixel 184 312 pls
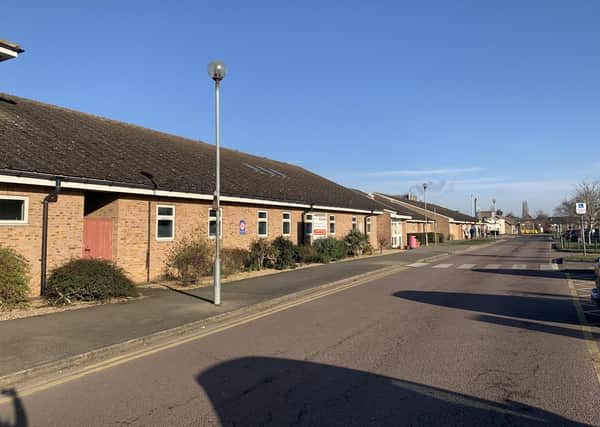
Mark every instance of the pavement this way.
pixel 487 344
pixel 35 345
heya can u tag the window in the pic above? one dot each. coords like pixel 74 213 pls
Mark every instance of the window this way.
pixel 331 224
pixel 263 224
pixel 308 224
pixel 165 222
pixel 353 223
pixel 13 210
pixel 368 227
pixel 212 224
pixel 286 226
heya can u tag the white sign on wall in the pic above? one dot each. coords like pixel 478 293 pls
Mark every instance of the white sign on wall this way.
pixel 580 208
pixel 319 222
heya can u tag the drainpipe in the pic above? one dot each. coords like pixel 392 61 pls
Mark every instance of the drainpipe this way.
pixel 155 185
pixel 50 198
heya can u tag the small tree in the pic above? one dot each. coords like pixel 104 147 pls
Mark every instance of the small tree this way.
pixel 382 241
pixel 262 254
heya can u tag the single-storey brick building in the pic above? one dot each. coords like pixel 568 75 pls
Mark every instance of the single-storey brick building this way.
pixel 454 225
pixel 129 194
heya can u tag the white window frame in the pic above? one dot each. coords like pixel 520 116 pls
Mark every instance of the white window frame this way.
pixel 214 218
pixel 25 219
pixel 331 221
pixel 308 220
pixel 165 217
pixel 368 226
pixel 259 220
pixel 354 223
pixel 286 221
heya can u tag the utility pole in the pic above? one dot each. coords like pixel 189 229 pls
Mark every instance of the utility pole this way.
pixel 426 219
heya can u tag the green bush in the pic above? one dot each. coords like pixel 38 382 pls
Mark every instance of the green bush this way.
pixel 357 243
pixel 14 272
pixel 286 253
pixel 88 280
pixel 262 254
pixel 330 249
pixel 190 259
pixel 234 260
pixel 307 254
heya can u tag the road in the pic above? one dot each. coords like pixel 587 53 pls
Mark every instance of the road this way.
pixel 489 337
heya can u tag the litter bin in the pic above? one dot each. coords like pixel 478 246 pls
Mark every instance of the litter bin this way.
pixel 412 242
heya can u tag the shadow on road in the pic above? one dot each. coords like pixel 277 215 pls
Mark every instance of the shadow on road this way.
pixel 578 274
pixel 526 307
pixel 263 391
pixel 20 416
pixel 533 326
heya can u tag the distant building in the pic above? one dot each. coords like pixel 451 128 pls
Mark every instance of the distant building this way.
pixel 525 210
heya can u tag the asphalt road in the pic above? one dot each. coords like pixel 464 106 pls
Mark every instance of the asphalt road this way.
pixel 485 338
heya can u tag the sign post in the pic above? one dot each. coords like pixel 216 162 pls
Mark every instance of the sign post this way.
pixel 581 209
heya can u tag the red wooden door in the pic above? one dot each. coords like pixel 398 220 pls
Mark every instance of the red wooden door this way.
pixel 97 238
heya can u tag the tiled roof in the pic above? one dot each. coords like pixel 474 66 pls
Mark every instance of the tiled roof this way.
pixel 455 215
pixel 399 209
pixel 37 138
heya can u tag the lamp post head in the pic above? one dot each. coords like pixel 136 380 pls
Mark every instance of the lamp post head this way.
pixel 217 70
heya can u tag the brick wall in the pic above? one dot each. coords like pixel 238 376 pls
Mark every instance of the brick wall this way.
pixel 65 229
pixel 130 241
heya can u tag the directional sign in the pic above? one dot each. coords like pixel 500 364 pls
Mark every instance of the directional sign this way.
pixel 580 208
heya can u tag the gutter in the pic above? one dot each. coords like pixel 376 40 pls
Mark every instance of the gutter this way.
pixel 46 180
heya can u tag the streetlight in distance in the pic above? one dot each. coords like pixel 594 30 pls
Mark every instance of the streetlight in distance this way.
pixel 217 71
pixel 426 219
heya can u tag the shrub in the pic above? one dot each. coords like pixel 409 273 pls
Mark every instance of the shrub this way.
pixel 191 259
pixel 88 280
pixel 357 243
pixel 262 254
pixel 307 254
pixel 286 253
pixel 14 272
pixel 330 249
pixel 234 260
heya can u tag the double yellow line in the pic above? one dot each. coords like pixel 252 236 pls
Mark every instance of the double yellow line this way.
pixel 64 377
pixel 586 329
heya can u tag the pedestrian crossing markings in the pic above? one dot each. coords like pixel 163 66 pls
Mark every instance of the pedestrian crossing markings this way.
pixel 552 267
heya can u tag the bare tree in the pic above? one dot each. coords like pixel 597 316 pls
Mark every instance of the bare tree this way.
pixel 588 192
pixel 382 240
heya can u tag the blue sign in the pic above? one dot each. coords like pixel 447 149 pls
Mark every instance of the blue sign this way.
pixel 242 226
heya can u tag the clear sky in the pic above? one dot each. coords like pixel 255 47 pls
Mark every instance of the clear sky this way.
pixel 493 99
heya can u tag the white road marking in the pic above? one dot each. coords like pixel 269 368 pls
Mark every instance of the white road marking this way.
pixel 443 266
pixel 418 264
pixel 466 266
pixel 492 267
pixel 548 266
pixel 519 267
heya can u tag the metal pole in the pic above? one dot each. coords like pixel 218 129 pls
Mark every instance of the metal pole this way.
pixel 426 219
pixel 582 234
pixel 217 284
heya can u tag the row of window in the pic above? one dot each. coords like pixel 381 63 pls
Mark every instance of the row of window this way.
pixel 13 210
pixel 166 223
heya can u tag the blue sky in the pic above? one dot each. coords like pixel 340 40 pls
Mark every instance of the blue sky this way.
pixel 493 99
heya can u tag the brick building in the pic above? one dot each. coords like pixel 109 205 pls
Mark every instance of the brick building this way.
pixel 129 194
pixel 454 225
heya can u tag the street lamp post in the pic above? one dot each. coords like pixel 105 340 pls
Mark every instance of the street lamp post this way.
pixel 494 216
pixel 426 219
pixel 217 71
